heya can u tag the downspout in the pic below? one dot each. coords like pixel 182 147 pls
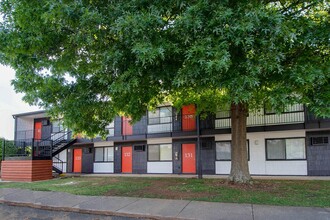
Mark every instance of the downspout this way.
pixel 199 159
pixel 15 128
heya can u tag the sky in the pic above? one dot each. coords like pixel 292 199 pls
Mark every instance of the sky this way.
pixel 10 103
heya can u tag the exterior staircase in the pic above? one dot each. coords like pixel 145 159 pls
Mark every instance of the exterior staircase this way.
pixel 59 142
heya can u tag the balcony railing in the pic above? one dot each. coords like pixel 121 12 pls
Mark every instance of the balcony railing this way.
pixel 34 149
pixel 293 115
pixel 154 125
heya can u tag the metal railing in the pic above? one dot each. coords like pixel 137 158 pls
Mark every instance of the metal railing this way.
pixel 58 164
pixel 27 148
pixel 35 148
pixel 293 115
pixel 154 125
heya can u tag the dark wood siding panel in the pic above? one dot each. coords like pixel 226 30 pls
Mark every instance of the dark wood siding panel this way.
pixel 26 170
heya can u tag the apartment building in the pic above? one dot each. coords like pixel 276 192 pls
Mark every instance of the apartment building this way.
pixel 164 141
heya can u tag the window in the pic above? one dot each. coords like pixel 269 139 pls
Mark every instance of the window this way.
pixel 104 154
pixel 285 149
pixel 160 116
pixel 110 128
pixel 223 150
pixel 57 126
pixel 160 152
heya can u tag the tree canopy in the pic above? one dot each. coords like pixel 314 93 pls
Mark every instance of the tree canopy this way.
pixel 89 61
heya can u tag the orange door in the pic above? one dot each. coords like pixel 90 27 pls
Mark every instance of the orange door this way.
pixel 188 118
pixel 126 159
pixel 37 130
pixel 127 127
pixel 77 155
pixel 188 158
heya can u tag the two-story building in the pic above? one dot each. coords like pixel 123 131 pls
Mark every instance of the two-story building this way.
pixel 165 141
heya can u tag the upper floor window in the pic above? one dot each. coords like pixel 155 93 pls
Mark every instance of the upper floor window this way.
pixel 285 149
pixel 110 128
pixel 161 115
pixel 57 126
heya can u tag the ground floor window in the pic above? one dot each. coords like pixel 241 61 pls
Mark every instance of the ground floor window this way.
pixel 160 152
pixel 223 150
pixel 104 154
pixel 285 149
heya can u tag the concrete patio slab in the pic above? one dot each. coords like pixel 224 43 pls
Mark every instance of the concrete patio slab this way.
pixel 283 213
pixel 216 211
pixel 155 207
pixel 104 203
pixel 60 199
pixel 26 196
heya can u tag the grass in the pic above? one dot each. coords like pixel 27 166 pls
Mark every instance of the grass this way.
pixel 269 192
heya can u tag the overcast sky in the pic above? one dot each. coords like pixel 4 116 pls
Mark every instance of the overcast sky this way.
pixel 10 103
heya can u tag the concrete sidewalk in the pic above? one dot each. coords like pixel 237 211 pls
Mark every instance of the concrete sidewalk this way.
pixel 155 208
pixel 326 178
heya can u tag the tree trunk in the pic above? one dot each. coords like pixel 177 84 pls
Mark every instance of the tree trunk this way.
pixel 239 156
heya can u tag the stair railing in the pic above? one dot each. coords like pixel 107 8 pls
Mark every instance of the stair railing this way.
pixel 45 147
pixel 58 163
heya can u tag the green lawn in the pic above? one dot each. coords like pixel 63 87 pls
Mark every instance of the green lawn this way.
pixel 270 192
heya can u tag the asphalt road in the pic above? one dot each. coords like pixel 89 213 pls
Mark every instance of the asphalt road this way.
pixel 25 213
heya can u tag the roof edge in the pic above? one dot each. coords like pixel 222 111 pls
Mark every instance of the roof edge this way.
pixel 29 113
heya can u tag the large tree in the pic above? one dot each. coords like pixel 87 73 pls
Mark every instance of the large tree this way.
pixel 89 61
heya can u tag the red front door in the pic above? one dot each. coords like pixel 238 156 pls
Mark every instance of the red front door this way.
pixel 127 127
pixel 77 156
pixel 126 159
pixel 188 118
pixel 188 158
pixel 37 130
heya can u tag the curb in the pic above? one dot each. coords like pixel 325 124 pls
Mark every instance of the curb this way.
pixel 84 211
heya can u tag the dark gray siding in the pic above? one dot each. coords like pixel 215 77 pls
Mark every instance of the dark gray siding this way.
pixel 140 127
pixel 87 159
pixel 208 122
pixel 177 122
pixel 318 156
pixel 117 162
pixel 46 129
pixel 177 158
pixel 140 160
pixel 117 131
pixel 208 155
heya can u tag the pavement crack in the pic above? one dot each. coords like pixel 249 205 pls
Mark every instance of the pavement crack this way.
pixel 183 209
pixel 128 204
pixel 252 212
